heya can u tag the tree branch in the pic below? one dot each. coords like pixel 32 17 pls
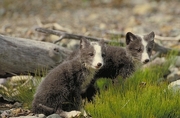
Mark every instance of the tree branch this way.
pixel 157 47
pixel 69 35
pixel 177 38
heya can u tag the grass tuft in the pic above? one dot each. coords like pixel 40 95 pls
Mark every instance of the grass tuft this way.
pixel 140 96
pixel 22 88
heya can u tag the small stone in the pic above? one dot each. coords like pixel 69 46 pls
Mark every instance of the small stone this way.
pixel 177 63
pixel 2 12
pixel 173 76
pixel 102 26
pixel 145 8
pixel 73 113
pixel 16 111
pixel 93 16
pixel 5 114
pixel 41 116
pixel 175 86
pixel 54 116
pixel 3 80
pixel 17 104
pixel 173 69
pixel 155 62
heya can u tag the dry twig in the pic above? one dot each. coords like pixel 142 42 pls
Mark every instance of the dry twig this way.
pixel 69 35
pixel 158 48
pixel 177 38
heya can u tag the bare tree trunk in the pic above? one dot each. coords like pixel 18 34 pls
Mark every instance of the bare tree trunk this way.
pixel 24 56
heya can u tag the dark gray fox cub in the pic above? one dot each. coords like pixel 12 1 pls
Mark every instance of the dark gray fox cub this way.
pixel 61 89
pixel 121 61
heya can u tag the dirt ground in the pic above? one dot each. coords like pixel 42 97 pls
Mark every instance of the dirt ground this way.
pixel 103 18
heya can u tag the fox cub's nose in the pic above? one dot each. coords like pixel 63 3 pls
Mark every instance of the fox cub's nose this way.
pixel 146 61
pixel 99 65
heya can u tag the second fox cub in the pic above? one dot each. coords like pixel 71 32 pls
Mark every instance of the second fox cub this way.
pixel 121 61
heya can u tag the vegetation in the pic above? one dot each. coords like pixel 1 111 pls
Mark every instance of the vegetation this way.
pixel 22 89
pixel 140 96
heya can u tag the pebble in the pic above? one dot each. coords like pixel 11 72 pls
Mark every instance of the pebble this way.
pixel 54 116
pixel 177 63
pixel 173 76
pixel 142 9
pixel 2 11
pixel 3 80
pixel 155 62
pixel 175 86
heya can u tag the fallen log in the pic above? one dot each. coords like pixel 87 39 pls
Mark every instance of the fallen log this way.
pixel 20 56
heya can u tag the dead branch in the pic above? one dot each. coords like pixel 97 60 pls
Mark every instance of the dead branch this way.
pixel 113 32
pixel 66 35
pixel 157 37
pixel 20 56
pixel 177 38
pixel 158 48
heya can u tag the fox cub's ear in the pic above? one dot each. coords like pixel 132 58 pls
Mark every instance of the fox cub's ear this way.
pixel 102 42
pixel 151 36
pixel 84 43
pixel 130 37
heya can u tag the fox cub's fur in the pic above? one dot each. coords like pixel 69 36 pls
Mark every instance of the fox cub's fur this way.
pixel 61 89
pixel 121 61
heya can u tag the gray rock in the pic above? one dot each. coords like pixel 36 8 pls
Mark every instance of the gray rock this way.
pixel 5 114
pixel 41 116
pixel 177 63
pixel 17 105
pixel 174 86
pixel 2 12
pixel 54 116
pixel 155 62
pixel 3 80
pixel 174 75
pixel 173 69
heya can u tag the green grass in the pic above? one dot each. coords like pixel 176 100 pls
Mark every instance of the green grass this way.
pixel 126 99
pixel 27 93
pixel 131 99
pixel 22 90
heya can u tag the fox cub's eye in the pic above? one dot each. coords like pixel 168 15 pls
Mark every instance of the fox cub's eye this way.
pixel 103 54
pixel 149 49
pixel 138 49
pixel 91 54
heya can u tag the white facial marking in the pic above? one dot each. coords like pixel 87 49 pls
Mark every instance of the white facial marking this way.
pixel 97 56
pixel 145 55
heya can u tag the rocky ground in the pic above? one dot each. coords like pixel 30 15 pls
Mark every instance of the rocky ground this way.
pixel 108 19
